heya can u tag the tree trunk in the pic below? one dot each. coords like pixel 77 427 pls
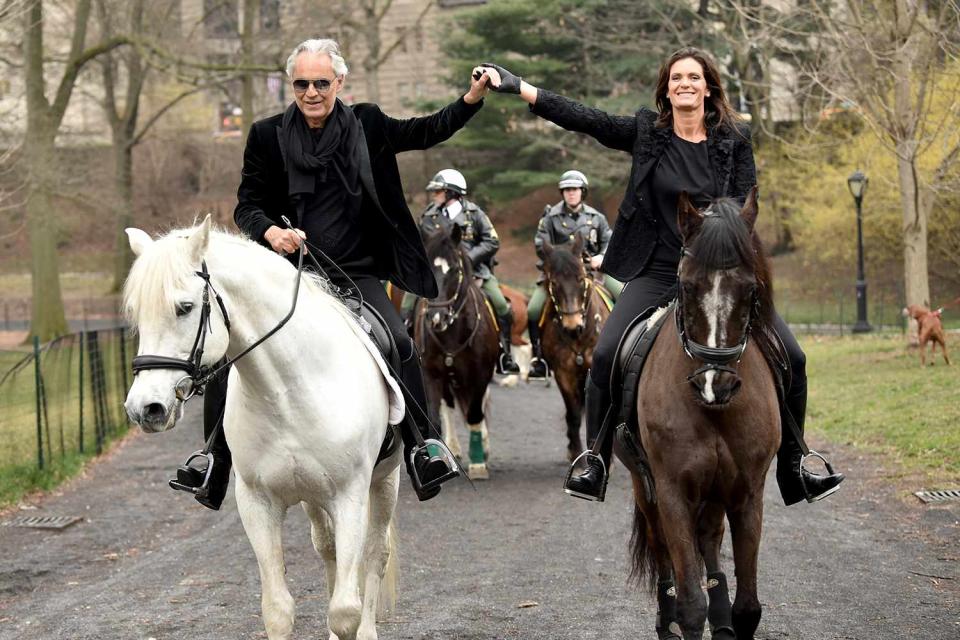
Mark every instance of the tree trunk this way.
pixel 47 319
pixel 251 8
pixel 371 68
pixel 123 183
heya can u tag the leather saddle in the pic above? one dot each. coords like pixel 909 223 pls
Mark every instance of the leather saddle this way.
pixel 629 361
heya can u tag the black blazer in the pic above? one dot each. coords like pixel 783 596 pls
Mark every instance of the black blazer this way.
pixel 398 250
pixel 635 233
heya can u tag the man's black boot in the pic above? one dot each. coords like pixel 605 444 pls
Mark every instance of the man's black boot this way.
pixel 431 464
pixel 505 363
pixel 538 366
pixel 796 483
pixel 207 475
pixel 591 484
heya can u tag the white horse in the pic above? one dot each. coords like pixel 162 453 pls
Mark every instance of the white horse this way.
pixel 306 411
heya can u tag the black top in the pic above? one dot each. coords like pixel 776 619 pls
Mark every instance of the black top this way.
pixel 388 227
pixel 684 166
pixel 331 220
pixel 634 239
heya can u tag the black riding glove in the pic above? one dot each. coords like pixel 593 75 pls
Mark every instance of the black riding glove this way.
pixel 509 83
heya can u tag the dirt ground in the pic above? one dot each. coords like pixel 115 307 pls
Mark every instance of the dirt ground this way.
pixel 511 558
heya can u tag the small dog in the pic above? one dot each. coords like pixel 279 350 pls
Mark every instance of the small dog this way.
pixel 930 330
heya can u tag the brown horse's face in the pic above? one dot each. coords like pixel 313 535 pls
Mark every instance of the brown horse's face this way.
pixel 566 282
pixel 717 296
pixel 450 269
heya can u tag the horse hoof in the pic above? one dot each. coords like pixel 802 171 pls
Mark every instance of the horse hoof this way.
pixel 478 471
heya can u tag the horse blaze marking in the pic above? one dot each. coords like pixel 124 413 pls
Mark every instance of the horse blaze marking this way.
pixel 43 522
pixel 440 262
pixel 938 496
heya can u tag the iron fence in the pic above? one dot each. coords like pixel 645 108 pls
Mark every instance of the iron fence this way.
pixel 62 400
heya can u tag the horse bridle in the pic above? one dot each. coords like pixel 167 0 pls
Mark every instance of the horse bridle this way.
pixel 197 374
pixel 584 307
pixel 714 358
pixel 449 307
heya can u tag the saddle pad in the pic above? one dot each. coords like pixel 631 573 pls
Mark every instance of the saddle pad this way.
pixel 604 295
pixel 397 406
pixel 632 355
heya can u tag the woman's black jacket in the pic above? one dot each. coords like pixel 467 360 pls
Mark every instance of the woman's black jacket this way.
pixel 635 232
pixel 392 234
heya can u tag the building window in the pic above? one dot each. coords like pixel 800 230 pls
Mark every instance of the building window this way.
pixel 269 16
pixel 221 18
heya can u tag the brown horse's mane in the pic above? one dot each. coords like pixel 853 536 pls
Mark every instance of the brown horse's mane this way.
pixel 724 242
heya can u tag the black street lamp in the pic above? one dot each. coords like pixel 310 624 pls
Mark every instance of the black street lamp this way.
pixel 858 186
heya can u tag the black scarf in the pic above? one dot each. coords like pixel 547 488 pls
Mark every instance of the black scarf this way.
pixel 309 158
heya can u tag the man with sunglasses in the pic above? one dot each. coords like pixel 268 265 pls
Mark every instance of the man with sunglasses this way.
pixel 332 170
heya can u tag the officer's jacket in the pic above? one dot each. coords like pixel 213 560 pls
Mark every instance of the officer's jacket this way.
pixel 559 225
pixel 478 236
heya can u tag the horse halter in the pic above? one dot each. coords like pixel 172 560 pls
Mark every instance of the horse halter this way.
pixel 449 307
pixel 197 374
pixel 714 358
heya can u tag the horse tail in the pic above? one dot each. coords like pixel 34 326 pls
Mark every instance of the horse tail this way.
pixel 388 583
pixel 643 565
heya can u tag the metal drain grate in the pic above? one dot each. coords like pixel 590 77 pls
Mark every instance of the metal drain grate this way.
pixel 43 522
pixel 938 496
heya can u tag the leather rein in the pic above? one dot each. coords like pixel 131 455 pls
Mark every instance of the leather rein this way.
pixel 197 374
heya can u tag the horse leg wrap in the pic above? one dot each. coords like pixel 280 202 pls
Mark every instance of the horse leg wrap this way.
pixel 476 445
pixel 719 612
pixel 667 626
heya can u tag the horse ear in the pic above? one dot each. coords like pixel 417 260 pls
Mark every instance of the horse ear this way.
pixel 456 234
pixel 547 247
pixel 688 218
pixel 198 242
pixel 577 245
pixel 749 211
pixel 139 240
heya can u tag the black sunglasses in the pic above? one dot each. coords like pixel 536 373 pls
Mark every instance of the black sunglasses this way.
pixel 322 85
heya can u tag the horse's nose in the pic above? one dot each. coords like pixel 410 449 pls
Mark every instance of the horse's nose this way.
pixel 151 417
pixel 726 389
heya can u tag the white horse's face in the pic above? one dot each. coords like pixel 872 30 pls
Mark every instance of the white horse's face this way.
pixel 152 401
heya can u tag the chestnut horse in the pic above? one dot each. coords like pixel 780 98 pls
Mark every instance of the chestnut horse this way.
pixel 709 442
pixel 573 317
pixel 457 337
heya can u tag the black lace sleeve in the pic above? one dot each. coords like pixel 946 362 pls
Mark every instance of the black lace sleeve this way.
pixel 744 167
pixel 616 132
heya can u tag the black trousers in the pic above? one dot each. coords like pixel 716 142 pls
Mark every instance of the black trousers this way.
pixel 640 294
pixel 373 292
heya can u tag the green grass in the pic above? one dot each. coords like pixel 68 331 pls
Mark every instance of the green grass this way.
pixel 870 392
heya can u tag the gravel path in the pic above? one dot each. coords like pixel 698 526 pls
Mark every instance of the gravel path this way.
pixel 150 563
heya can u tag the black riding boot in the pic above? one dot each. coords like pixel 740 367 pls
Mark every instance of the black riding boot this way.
pixel 192 476
pixel 796 483
pixel 505 363
pixel 591 484
pixel 538 366
pixel 432 464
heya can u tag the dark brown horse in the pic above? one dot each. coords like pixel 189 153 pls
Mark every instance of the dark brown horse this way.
pixel 457 336
pixel 573 317
pixel 708 419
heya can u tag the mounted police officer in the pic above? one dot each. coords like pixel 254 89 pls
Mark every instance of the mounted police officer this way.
pixel 562 223
pixel 448 189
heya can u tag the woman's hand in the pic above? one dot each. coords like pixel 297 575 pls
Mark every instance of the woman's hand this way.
pixel 284 241
pixel 479 86
pixel 501 80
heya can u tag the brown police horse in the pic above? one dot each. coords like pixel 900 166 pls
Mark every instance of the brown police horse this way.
pixel 707 416
pixel 457 337
pixel 573 317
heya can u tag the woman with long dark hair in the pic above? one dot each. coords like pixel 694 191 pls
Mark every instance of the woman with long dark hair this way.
pixel 695 142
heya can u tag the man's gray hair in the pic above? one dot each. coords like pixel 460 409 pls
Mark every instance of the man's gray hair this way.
pixel 319 45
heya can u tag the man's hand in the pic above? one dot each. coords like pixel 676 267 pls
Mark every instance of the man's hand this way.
pixel 596 261
pixel 501 80
pixel 479 87
pixel 284 241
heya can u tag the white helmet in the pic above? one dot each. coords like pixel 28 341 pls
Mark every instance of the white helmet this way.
pixel 448 180
pixel 573 179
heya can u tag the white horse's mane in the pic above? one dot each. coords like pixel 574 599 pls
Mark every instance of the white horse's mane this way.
pixel 164 270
